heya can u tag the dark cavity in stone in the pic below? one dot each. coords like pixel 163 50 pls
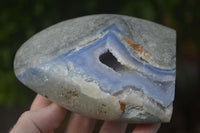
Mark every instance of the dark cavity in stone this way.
pixel 108 59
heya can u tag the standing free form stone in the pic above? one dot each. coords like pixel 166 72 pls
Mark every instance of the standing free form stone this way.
pixel 109 67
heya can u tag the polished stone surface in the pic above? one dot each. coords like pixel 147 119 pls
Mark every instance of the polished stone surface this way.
pixel 109 67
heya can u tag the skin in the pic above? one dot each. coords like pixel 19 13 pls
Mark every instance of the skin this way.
pixel 45 116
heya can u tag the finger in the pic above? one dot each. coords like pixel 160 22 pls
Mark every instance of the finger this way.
pixel 146 128
pixel 80 124
pixel 113 127
pixel 39 102
pixel 44 120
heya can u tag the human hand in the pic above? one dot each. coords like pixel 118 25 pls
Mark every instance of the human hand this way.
pixel 45 116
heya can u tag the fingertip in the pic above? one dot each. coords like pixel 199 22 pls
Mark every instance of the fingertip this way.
pixel 113 127
pixel 44 120
pixel 50 117
pixel 147 128
pixel 39 102
pixel 84 124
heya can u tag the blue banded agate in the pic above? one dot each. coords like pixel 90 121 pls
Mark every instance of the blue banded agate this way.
pixel 109 61
pixel 156 83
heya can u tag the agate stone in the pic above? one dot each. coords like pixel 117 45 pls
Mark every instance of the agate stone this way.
pixel 108 67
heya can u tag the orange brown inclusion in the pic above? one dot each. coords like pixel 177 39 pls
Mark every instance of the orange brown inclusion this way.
pixel 137 48
pixel 122 106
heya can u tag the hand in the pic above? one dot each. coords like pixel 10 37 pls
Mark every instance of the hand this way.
pixel 45 116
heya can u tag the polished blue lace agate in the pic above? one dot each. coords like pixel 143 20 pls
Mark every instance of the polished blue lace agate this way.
pixel 108 67
pixel 100 61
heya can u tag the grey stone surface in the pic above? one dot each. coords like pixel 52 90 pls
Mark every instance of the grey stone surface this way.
pixel 110 67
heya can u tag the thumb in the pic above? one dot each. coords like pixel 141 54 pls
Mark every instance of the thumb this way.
pixel 43 120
